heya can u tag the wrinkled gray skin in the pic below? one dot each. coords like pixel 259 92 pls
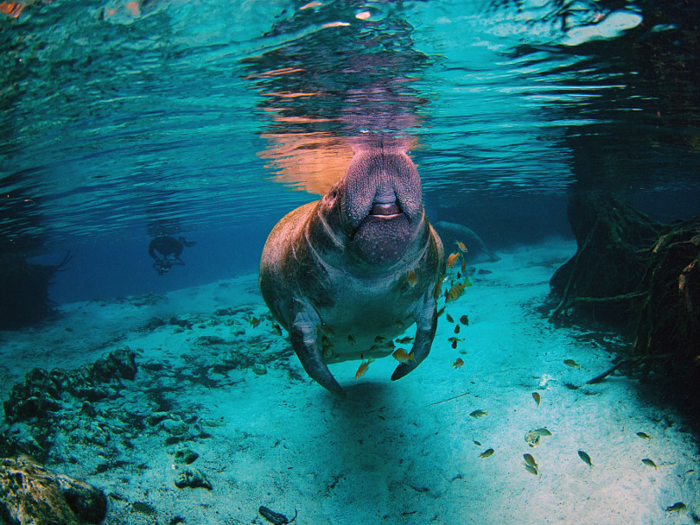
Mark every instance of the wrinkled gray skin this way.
pixel 476 248
pixel 335 273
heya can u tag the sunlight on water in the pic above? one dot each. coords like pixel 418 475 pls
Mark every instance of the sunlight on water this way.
pixel 120 115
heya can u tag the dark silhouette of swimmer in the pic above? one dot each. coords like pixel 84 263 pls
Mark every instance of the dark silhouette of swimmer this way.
pixel 166 251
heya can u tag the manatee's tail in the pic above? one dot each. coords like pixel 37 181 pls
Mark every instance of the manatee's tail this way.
pixel 310 357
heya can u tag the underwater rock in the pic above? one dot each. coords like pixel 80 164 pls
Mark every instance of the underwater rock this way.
pixel 259 369
pixel 211 340
pixel 184 456
pixel 30 494
pixel 190 477
pixel 181 322
pixel 37 396
pixel 174 427
pixel 153 323
pixel 42 392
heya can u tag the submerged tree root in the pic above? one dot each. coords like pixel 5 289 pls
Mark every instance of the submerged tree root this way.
pixel 639 275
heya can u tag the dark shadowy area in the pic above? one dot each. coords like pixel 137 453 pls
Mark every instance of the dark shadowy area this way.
pixel 24 290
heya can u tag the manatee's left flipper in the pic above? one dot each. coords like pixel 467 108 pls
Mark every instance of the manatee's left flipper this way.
pixel 304 338
pixel 426 324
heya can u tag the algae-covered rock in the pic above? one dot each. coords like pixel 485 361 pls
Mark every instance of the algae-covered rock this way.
pixel 191 477
pixel 42 392
pixel 184 456
pixel 30 494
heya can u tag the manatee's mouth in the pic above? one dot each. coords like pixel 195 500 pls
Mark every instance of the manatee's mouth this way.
pixel 388 210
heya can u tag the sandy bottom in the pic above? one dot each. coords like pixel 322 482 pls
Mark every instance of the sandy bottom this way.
pixel 405 452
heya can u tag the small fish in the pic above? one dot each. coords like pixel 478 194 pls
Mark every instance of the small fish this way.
pixel 464 266
pixel 536 397
pixel 454 293
pixel 458 363
pixel 572 363
pixel 379 339
pixel 532 438
pixel 454 345
pixel 351 339
pixel 441 310
pixel 452 259
pixel 585 458
pixel 648 462
pixel 402 357
pixel 455 339
pixel 529 460
pixel 478 413
pixel 461 246
pixel 456 329
pixel 363 368
pixel 487 453
pixel 643 435
pixel 254 321
pixel 277 328
pixel 404 340
pixel 438 290
pixel 478 444
pixel 530 464
pixel 411 278
pixel 449 318
pixel 676 507
pixel 464 320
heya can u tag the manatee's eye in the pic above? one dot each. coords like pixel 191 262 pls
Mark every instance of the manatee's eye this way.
pixel 331 196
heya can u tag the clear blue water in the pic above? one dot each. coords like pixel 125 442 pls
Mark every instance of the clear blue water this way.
pixel 212 119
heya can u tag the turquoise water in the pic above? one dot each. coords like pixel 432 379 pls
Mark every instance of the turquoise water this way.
pixel 124 120
pixel 179 396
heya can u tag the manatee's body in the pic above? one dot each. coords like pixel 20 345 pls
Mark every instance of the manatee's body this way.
pixel 476 248
pixel 347 274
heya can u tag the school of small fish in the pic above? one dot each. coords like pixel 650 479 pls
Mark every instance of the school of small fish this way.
pixel 454 292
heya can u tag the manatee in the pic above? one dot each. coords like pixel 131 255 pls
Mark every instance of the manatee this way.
pixel 476 248
pixel 347 274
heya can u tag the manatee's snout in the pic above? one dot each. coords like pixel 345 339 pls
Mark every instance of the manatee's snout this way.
pixel 382 204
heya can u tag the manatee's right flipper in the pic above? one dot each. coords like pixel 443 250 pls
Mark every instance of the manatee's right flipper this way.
pixel 303 336
pixel 426 325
